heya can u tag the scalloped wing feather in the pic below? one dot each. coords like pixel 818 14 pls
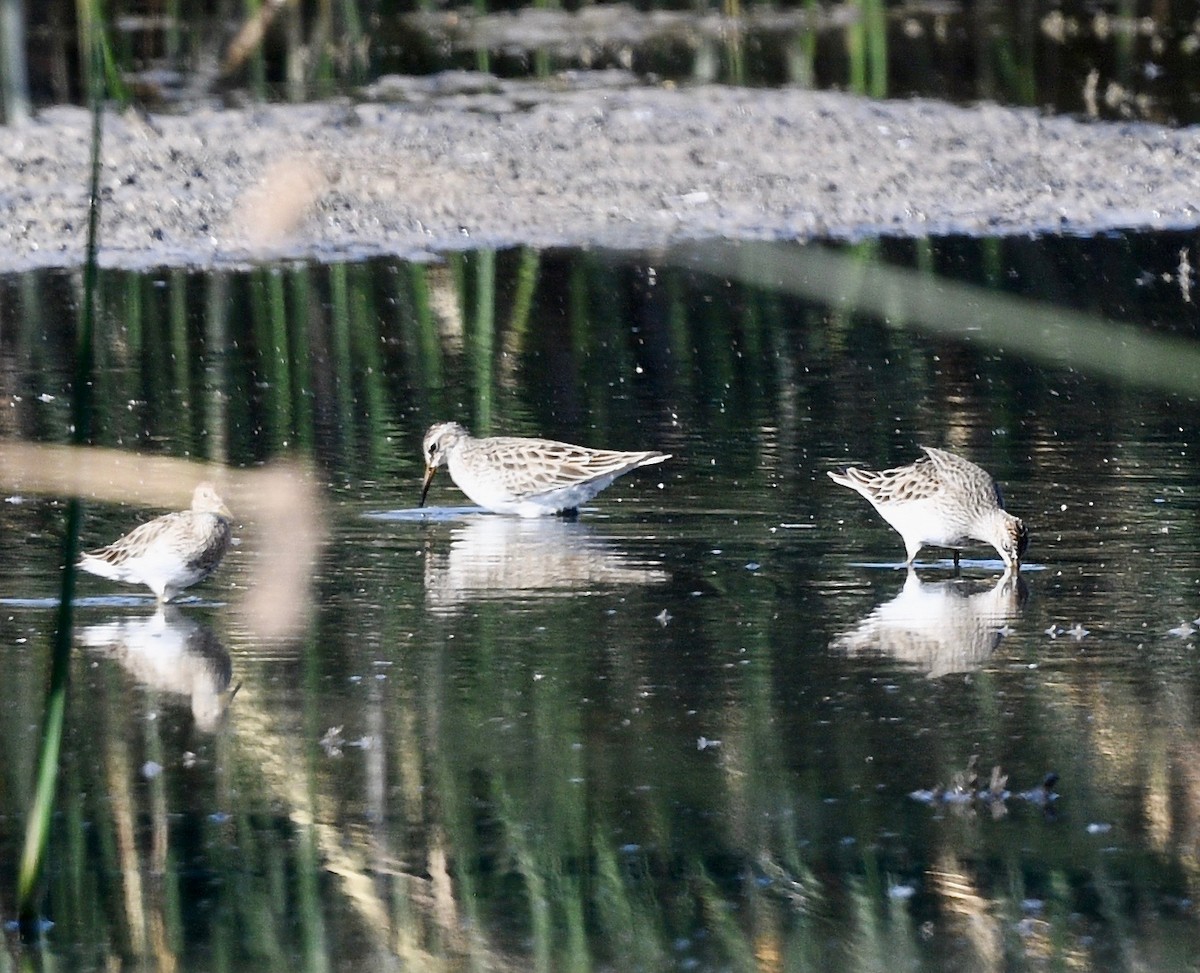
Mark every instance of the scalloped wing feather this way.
pixel 963 473
pixel 533 467
pixel 917 481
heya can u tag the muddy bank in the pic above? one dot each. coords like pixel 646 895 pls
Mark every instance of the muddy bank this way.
pixel 458 162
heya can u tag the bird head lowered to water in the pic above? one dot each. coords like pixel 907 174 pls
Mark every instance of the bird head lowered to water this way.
pixel 439 440
pixel 941 500
pixel 1010 539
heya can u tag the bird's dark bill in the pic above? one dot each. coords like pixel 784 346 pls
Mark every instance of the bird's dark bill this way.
pixel 429 473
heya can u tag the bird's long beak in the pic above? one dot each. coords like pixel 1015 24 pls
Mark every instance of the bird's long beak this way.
pixel 224 511
pixel 429 474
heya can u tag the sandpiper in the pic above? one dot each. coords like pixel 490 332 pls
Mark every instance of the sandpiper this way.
pixel 943 500
pixel 528 477
pixel 171 552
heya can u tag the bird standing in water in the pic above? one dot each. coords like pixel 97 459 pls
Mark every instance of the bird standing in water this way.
pixel 943 500
pixel 171 552
pixel 527 477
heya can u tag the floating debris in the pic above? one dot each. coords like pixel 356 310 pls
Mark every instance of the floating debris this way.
pixel 1043 794
pixel 801 890
pixel 1183 631
pixel 663 618
pixel 1077 632
pixel 967 791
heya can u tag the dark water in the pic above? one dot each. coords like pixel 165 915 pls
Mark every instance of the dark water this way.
pixel 699 728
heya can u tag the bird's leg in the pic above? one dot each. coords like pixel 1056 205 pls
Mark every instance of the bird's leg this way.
pixel 956 571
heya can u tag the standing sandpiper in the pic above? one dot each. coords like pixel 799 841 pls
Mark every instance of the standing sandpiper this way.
pixel 943 500
pixel 528 477
pixel 171 552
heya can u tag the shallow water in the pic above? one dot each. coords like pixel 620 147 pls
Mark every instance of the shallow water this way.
pixel 712 723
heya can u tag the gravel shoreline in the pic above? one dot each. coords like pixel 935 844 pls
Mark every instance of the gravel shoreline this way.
pixel 422 166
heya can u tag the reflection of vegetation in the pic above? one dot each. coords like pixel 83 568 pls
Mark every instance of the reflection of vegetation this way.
pixel 564 783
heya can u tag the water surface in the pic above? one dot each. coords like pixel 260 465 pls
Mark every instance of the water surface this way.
pixel 711 724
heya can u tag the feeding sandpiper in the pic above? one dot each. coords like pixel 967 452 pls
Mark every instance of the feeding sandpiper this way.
pixel 171 552
pixel 528 477
pixel 943 500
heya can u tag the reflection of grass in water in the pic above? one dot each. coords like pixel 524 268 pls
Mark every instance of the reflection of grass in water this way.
pixel 566 874
pixel 909 298
pixel 482 337
pixel 884 937
pixel 428 371
pixel 627 914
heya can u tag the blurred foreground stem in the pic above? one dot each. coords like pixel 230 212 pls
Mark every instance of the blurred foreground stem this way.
pixel 37 825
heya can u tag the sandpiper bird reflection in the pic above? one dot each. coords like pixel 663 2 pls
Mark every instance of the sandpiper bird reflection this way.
pixel 943 500
pixel 171 552
pixel 528 477
pixel 939 627
pixel 171 653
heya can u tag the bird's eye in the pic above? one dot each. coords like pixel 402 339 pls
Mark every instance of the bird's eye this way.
pixel 433 448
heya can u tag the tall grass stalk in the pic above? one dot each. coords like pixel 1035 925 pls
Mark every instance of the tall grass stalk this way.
pixel 875 15
pixel 734 48
pixel 483 57
pixel 14 72
pixel 101 76
pixel 37 824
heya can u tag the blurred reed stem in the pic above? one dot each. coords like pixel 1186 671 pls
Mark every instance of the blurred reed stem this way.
pixel 802 50
pixel 14 71
pixel 98 68
pixel 483 57
pixel 256 63
pixel 37 824
pixel 866 47
pixel 733 42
